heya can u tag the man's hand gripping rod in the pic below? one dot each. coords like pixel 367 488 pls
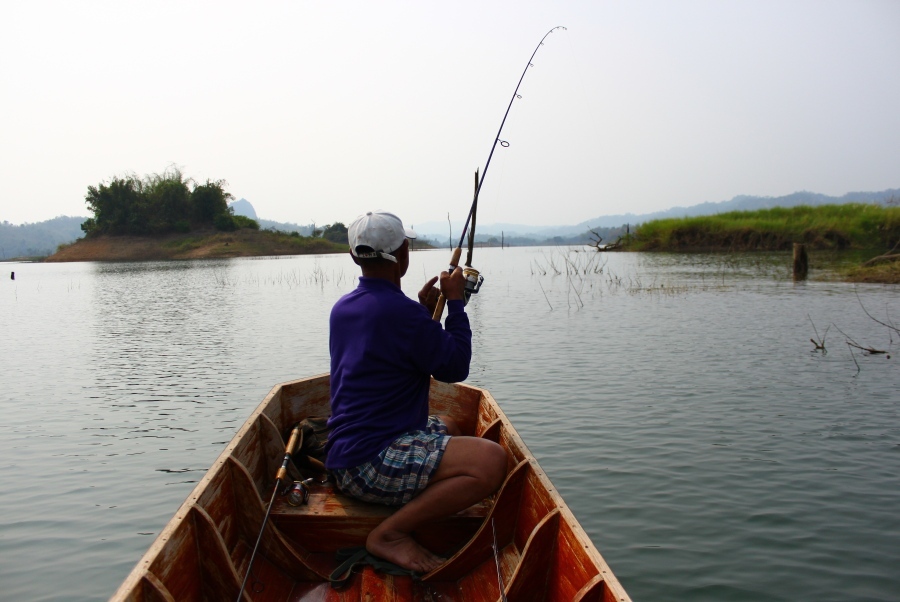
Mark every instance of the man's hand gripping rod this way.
pixel 473 278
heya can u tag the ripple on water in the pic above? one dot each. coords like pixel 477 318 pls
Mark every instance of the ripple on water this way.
pixel 701 445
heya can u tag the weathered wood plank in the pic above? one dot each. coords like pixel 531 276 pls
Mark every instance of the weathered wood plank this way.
pixel 529 582
pixel 594 590
pixel 493 431
pixel 572 568
pixel 480 549
pixel 218 578
pixel 177 564
pixel 153 590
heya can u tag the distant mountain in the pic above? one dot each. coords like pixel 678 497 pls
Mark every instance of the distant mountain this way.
pixel 40 239
pixel 243 207
pixel 440 231
pixel 267 224
pixel 746 203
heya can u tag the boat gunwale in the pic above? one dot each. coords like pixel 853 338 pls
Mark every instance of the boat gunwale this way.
pixel 142 566
pixel 486 403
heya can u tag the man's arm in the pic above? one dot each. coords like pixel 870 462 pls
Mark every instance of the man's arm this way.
pixel 445 353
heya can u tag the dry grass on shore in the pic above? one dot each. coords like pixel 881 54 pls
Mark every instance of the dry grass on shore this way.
pixel 193 245
pixel 884 273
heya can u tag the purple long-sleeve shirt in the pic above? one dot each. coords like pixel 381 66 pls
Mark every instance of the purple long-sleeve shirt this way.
pixel 384 349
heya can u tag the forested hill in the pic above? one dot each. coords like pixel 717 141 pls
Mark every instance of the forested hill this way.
pixel 40 239
pixel 43 238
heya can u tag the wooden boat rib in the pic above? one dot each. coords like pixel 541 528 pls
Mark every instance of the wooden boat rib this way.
pixel 203 552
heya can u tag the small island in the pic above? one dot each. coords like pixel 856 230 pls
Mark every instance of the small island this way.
pixel 169 216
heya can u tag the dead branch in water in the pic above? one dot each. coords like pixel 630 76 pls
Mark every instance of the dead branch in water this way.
pixel 612 247
pixel 545 294
pixel 888 257
pixel 853 357
pixel 820 345
pixel 890 326
pixel 596 241
pixel 881 259
pixel 852 343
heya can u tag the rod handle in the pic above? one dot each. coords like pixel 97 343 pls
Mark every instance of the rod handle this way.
pixel 439 308
pixel 289 450
pixel 293 441
pixel 454 259
pixel 442 302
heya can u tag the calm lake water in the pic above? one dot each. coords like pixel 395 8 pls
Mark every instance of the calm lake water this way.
pixel 675 401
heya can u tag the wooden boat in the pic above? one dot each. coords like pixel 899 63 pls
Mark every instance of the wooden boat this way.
pixel 203 552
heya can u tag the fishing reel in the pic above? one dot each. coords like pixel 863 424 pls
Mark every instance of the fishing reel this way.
pixel 298 492
pixel 474 281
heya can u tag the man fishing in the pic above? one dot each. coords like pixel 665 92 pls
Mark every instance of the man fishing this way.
pixel 384 447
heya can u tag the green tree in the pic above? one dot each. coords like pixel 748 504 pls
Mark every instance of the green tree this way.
pixel 209 201
pixel 336 232
pixel 228 222
pixel 169 196
pixel 158 204
pixel 118 208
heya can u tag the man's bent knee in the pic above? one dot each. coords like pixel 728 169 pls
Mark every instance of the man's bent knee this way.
pixel 481 459
pixel 495 463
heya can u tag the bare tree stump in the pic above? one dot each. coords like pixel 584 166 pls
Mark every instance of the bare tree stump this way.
pixel 801 261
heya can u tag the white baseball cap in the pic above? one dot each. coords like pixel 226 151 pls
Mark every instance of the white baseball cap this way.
pixel 377 234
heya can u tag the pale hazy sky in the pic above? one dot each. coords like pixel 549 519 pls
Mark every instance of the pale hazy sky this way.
pixel 317 111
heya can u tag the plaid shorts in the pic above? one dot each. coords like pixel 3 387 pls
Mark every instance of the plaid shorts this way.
pixel 400 471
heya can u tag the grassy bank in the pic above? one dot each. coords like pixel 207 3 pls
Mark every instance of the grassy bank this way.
pixel 873 229
pixel 194 245
pixel 827 227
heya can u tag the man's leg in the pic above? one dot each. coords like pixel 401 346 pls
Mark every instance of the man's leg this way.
pixel 452 427
pixel 470 470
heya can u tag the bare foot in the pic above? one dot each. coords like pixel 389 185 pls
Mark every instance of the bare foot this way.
pixel 402 550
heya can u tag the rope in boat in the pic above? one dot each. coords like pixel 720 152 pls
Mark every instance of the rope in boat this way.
pixel 497 562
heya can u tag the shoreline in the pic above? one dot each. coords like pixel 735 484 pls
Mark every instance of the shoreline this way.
pixel 192 245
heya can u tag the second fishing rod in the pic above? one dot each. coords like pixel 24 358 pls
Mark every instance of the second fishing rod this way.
pixel 473 278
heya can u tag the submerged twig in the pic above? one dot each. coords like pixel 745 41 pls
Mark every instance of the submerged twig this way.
pixel 545 294
pixel 820 345
pixel 891 326
pixel 853 357
pixel 852 343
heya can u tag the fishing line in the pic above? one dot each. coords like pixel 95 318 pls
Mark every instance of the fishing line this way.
pixel 473 278
pixel 497 139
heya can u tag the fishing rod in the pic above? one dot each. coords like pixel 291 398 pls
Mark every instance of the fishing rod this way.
pixel 473 278
pixel 281 475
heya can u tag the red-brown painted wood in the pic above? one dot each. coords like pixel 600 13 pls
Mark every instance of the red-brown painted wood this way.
pixel 203 552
